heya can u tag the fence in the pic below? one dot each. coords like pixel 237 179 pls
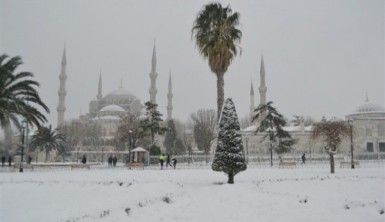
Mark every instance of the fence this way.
pixel 312 160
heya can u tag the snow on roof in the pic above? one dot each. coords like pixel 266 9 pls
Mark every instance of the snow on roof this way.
pixel 109 117
pixel 251 128
pixel 112 108
pixel 291 128
pixel 139 149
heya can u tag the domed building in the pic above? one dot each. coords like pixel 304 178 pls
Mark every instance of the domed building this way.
pixel 106 111
pixel 368 121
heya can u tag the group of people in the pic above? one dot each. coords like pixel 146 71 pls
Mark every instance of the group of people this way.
pixel 303 158
pixel 162 157
pixel 3 159
pixel 112 160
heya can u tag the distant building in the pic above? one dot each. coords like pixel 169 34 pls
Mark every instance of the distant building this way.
pixel 106 111
pixel 368 121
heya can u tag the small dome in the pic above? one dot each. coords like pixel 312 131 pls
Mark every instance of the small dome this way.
pixel 368 107
pixel 119 92
pixel 112 108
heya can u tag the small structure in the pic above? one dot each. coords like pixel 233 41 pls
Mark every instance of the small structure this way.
pixel 139 157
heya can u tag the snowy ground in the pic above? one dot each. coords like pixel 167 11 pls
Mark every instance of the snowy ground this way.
pixel 302 194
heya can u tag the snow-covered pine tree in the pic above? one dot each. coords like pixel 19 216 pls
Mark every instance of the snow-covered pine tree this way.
pixel 229 156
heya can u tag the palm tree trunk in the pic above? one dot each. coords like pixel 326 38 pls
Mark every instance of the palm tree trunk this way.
pixel 46 156
pixel 331 155
pixel 271 155
pixel 220 93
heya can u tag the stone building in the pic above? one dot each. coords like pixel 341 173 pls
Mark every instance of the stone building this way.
pixel 368 122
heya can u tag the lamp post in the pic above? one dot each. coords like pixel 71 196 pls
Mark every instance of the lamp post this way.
pixel 351 142
pixel 129 145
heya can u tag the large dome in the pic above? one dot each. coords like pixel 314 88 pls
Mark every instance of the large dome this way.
pixel 120 92
pixel 120 96
pixel 368 107
pixel 112 108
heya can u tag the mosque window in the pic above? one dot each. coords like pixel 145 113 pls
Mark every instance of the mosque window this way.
pixel 381 146
pixel 369 147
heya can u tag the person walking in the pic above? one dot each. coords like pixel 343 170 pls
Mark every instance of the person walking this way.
pixel 110 161
pixel 29 159
pixel 168 161
pixel 303 157
pixel 2 160
pixel 174 161
pixel 161 160
pixel 9 161
pixel 84 159
pixel 114 160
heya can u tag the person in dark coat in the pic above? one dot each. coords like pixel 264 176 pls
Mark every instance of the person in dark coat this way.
pixel 168 161
pixel 114 160
pixel 29 159
pixel 9 161
pixel 84 159
pixel 2 161
pixel 110 161
pixel 174 161
pixel 303 157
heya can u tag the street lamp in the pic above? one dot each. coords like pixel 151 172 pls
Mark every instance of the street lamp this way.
pixel 129 145
pixel 350 121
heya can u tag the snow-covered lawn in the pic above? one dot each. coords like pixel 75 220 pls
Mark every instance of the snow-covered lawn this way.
pixel 259 194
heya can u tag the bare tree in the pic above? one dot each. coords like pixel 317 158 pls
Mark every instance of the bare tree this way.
pixel 245 122
pixel 73 132
pixel 130 129
pixel 307 120
pixel 332 132
pixel 204 123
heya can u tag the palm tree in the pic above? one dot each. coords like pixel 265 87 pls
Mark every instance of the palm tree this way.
pixel 47 140
pixel 18 95
pixel 271 122
pixel 217 38
pixel 332 133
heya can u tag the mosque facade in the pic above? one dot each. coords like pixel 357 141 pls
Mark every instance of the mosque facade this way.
pixel 367 120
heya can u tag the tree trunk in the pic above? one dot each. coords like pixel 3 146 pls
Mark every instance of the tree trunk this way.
pixel 331 162
pixel 46 156
pixel 152 137
pixel 220 93
pixel 230 178
pixel 271 155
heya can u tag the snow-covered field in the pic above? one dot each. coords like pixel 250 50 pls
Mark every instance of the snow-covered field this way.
pixel 259 194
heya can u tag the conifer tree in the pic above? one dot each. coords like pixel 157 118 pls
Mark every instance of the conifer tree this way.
pixel 153 121
pixel 229 156
pixel 170 137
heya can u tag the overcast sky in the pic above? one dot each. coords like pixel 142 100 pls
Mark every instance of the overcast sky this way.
pixel 320 56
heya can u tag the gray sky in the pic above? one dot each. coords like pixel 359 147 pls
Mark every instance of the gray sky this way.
pixel 320 56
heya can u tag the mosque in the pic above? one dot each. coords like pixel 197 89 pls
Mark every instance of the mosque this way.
pixel 368 119
pixel 368 122
pixel 107 110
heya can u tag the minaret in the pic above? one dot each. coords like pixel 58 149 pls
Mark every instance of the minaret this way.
pixel 366 97
pixel 252 104
pixel 153 76
pixel 62 92
pixel 262 86
pixel 169 99
pixel 99 96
